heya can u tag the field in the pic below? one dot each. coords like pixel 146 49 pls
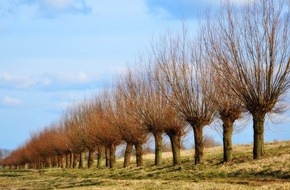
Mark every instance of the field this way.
pixel 271 172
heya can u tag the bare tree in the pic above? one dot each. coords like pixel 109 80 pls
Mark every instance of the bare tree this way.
pixel 130 128
pixel 251 50
pixel 42 148
pixel 162 113
pixel 64 142
pixel 155 112
pixel 104 133
pixel 98 128
pixel 182 76
pixel 87 115
pixel 229 109
pixel 74 124
pixel 137 89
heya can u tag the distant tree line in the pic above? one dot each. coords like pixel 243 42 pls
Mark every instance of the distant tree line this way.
pixel 237 63
pixel 4 153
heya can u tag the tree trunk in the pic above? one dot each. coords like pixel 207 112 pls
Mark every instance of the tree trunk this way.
pixel 48 162
pixel 198 144
pixel 67 161
pixel 112 156
pixel 71 160
pixel 107 153
pixel 158 147
pixel 228 127
pixel 139 155
pixel 175 147
pixel 82 160
pixel 100 156
pixel 128 153
pixel 91 158
pixel 60 161
pixel 75 161
pixel 54 161
pixel 258 150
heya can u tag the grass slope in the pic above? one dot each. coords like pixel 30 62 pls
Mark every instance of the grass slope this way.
pixel 271 172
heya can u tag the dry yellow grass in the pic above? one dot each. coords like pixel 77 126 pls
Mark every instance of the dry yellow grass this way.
pixel 271 172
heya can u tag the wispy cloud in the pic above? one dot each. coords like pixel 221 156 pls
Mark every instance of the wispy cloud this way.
pixel 58 4
pixel 8 80
pixel 43 8
pixel 60 81
pixel 77 77
pixel 10 101
pixel 187 8
pixel 69 81
pixel 240 2
pixel 175 9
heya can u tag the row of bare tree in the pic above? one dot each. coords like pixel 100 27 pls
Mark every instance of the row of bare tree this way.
pixel 238 63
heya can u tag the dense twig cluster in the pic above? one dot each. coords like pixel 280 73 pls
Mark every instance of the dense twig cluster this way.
pixel 239 63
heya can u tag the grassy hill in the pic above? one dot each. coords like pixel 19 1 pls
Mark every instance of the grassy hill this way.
pixel 271 172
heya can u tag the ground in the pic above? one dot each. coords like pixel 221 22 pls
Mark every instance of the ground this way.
pixel 270 172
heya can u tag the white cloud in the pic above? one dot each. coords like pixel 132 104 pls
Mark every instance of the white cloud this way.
pixel 19 82
pixel 42 8
pixel 82 77
pixel 234 2
pixel 277 118
pixel 76 77
pixel 46 82
pixel 188 8
pixel 58 4
pixel 64 105
pixel 117 8
pixel 10 101
pixel 242 2
pixel 51 81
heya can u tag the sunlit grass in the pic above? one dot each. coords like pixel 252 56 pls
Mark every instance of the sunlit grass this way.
pixel 271 172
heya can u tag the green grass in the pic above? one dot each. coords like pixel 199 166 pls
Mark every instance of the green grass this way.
pixel 271 172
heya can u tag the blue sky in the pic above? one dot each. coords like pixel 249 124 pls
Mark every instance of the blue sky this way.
pixel 54 52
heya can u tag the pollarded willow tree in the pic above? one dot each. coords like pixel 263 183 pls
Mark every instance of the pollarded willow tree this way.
pixel 89 137
pixel 130 128
pixel 229 110
pixel 159 112
pixel 154 110
pixel 105 133
pixel 42 150
pixel 136 90
pixel 59 143
pixel 251 48
pixel 73 124
pixel 183 77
